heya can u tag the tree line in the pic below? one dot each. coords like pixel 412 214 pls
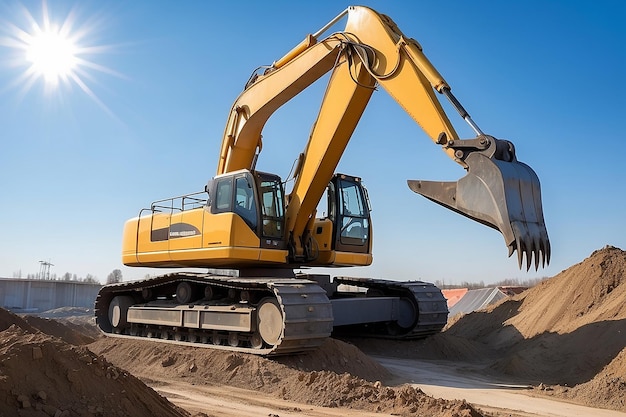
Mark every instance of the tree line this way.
pixel 509 282
pixel 114 277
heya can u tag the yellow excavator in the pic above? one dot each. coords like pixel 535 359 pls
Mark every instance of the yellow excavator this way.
pixel 251 236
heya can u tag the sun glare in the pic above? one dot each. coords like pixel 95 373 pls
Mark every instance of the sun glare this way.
pixel 53 56
pixel 52 52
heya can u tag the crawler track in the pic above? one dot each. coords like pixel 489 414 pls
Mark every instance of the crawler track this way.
pixel 431 305
pixel 305 313
pixel 259 315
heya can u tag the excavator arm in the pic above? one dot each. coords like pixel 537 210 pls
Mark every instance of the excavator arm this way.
pixel 497 191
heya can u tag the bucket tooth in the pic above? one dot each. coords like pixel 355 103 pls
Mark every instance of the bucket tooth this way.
pixel 504 195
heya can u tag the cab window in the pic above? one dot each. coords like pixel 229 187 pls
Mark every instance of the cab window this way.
pixel 273 209
pixel 245 205
pixel 223 195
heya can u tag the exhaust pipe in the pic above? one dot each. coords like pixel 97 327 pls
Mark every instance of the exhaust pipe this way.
pixel 497 191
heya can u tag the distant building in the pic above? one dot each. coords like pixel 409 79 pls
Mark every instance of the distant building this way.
pixel 41 295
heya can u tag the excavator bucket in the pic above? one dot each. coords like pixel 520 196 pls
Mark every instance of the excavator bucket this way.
pixel 501 193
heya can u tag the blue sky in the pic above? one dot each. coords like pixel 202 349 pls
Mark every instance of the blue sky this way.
pixel 547 75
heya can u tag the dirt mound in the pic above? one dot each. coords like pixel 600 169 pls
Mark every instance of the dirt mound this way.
pixel 337 374
pixel 241 370
pixel 339 357
pixel 330 389
pixel 569 330
pixel 68 332
pixel 607 389
pixel 589 292
pixel 81 319
pixel 442 346
pixel 8 319
pixel 67 312
pixel 66 380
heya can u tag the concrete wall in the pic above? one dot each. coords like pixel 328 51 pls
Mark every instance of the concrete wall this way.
pixel 42 295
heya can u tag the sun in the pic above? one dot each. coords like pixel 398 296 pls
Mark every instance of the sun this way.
pixel 52 56
pixel 56 53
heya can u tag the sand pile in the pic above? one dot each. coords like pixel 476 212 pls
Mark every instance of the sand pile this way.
pixel 442 346
pixel 81 319
pixel 8 319
pixel 607 389
pixel 569 330
pixel 591 291
pixel 41 375
pixel 68 332
pixel 336 375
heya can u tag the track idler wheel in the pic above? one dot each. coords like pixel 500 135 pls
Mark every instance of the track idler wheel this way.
pixel 270 321
pixel 408 315
pixel 118 311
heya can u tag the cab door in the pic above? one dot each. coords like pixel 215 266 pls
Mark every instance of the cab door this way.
pixel 349 211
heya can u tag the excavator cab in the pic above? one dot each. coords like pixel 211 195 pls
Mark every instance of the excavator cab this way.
pixel 344 236
pixel 349 210
pixel 257 198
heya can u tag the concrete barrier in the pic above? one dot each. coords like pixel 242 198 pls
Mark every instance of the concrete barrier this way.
pixel 41 295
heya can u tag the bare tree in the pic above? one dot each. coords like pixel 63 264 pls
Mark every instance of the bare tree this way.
pixel 114 277
pixel 90 278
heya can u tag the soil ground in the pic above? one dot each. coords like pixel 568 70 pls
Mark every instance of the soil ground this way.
pixel 557 349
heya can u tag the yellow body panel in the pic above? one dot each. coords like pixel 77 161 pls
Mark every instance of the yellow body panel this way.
pixel 223 240
pixel 205 240
pixel 335 258
pixel 323 235
pixel 352 259
pixel 180 241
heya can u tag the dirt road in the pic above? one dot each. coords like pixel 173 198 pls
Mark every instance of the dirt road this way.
pixel 225 401
pixel 439 379
pixel 449 380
